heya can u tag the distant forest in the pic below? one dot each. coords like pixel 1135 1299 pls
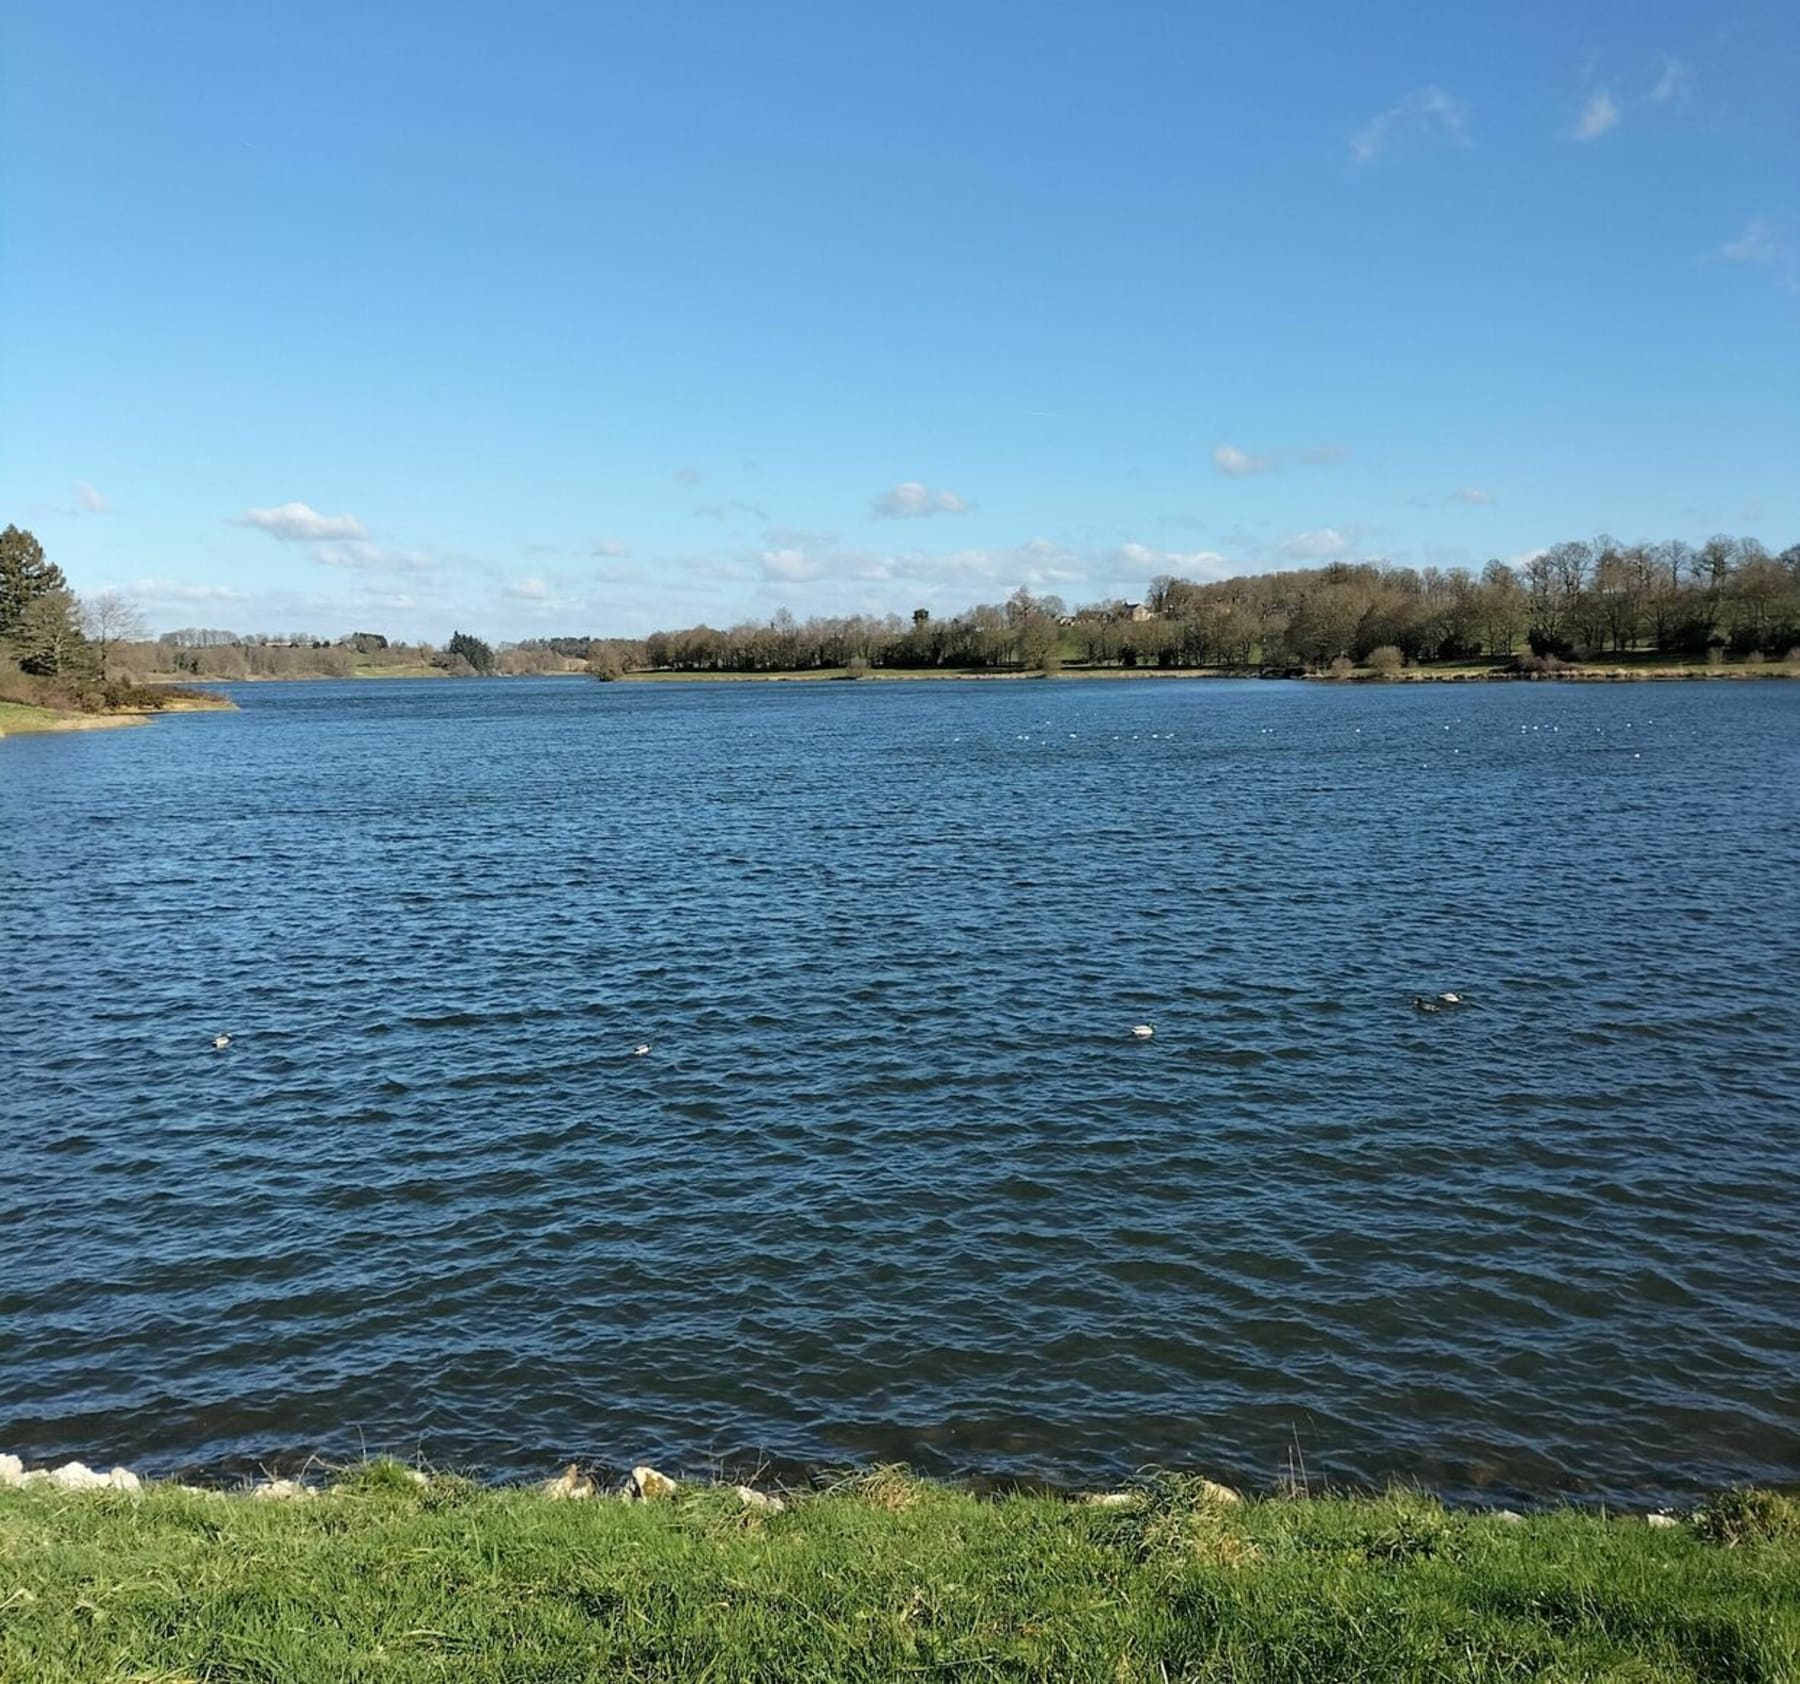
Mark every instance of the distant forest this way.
pixel 1574 601
pixel 1727 598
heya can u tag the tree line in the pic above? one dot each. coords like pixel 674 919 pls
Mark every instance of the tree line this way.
pixel 1577 600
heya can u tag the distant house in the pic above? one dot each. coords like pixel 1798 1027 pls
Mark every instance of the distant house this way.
pixel 1139 612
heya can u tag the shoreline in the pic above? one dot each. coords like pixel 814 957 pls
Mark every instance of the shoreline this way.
pixel 317 1472
pixel 22 719
pixel 412 1576
pixel 1572 674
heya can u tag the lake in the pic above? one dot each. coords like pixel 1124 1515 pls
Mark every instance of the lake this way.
pixel 894 1181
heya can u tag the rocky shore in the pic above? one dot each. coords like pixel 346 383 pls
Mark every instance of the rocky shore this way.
pixel 644 1484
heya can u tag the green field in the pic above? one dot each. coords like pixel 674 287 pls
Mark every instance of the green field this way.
pixel 882 1577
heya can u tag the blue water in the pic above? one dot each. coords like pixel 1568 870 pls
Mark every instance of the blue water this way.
pixel 894 1181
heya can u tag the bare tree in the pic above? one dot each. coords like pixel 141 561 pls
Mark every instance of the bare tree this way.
pixel 110 618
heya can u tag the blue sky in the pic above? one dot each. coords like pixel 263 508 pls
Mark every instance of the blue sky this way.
pixel 581 317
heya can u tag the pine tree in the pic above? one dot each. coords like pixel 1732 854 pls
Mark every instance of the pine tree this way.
pixel 48 640
pixel 24 576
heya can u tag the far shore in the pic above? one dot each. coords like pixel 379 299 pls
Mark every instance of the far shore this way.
pixel 1467 673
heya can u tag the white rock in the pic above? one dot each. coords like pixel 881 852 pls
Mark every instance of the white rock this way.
pixel 123 1479
pixel 751 1498
pixel 1661 1520
pixel 282 1491
pixel 573 1485
pixel 1112 1499
pixel 1511 1516
pixel 12 1471
pixel 647 1485
pixel 1214 1492
pixel 77 1476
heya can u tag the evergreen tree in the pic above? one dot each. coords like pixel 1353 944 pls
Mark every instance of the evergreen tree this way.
pixel 24 576
pixel 48 640
pixel 472 650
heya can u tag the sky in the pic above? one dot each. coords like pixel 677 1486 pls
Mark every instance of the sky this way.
pixel 556 319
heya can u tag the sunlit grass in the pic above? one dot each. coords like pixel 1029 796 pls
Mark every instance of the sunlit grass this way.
pixel 880 1577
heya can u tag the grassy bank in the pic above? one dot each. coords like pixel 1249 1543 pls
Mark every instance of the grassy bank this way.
pixel 881 1578
pixel 17 718
pixel 29 704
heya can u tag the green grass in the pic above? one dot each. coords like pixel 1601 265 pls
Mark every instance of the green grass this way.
pixel 16 716
pixel 884 1578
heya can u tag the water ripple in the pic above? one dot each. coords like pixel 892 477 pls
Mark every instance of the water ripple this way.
pixel 893 1181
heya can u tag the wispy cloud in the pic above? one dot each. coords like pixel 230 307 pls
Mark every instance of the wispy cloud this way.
pixel 297 523
pixel 358 555
pixel 730 506
pixel 958 575
pixel 1323 455
pixel 527 590
pixel 1322 543
pixel 1470 494
pixel 89 501
pixel 1184 564
pixel 687 476
pixel 797 537
pixel 1765 244
pixel 1600 115
pixel 155 590
pixel 610 548
pixel 1228 459
pixel 1675 85
pixel 1427 113
pixel 910 500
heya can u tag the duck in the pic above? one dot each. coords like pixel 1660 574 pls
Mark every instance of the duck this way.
pixel 1141 1032
pixel 640 1049
pixel 1421 1004
pixel 221 1042
pixel 1449 999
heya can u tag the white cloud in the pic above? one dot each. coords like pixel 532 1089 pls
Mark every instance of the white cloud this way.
pixel 296 523
pixel 797 537
pixel 1228 459
pixel 1471 494
pixel 1765 244
pixel 1324 455
pixel 89 501
pixel 1675 86
pixel 730 506
pixel 611 548
pixel 910 500
pixel 1320 544
pixel 791 564
pixel 687 476
pixel 1599 116
pixel 1183 564
pixel 175 590
pixel 1427 113
pixel 358 555
pixel 528 590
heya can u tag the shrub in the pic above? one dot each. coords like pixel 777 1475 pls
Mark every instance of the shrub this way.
pixel 1386 661
pixel 1747 1515
pixel 1342 668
